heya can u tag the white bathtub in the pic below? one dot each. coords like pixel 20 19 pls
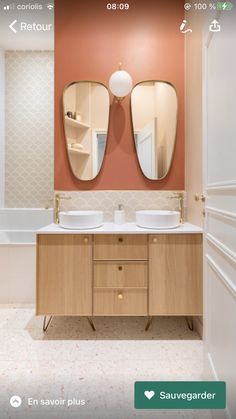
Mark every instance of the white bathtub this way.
pixel 17 237
pixel 18 252
pixel 24 219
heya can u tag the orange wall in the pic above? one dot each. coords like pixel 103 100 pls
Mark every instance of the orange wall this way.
pixel 89 43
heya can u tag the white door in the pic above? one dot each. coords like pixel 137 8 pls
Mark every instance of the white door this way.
pixel 220 223
pixel 146 146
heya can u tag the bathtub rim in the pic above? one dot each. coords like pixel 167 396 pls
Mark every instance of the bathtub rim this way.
pixel 25 208
pixel 18 243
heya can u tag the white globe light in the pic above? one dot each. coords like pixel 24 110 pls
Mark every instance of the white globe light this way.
pixel 120 83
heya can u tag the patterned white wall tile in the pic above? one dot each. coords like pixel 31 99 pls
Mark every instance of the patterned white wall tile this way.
pixel 108 201
pixel 29 128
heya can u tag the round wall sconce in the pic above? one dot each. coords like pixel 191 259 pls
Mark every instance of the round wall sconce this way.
pixel 120 83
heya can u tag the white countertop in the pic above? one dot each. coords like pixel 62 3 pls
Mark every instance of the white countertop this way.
pixel 127 228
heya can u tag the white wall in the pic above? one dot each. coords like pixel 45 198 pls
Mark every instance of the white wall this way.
pixel 2 128
pixel 144 109
pixel 17 279
pixel 99 107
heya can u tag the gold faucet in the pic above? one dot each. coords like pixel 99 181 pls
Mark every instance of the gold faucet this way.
pixel 180 197
pixel 58 198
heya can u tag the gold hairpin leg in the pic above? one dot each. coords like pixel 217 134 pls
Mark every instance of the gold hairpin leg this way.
pixel 46 323
pixel 189 321
pixel 150 318
pixel 91 323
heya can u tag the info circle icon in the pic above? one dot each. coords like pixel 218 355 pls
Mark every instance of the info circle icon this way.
pixel 15 401
pixel 187 6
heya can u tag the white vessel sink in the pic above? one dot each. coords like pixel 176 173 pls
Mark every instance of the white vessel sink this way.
pixel 81 220
pixel 158 219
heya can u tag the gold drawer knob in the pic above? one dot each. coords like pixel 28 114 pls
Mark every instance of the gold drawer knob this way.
pixel 154 240
pixel 120 268
pixel 120 239
pixel 86 240
pixel 120 296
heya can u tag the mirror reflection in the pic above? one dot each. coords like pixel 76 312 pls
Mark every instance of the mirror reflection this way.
pixel 154 114
pixel 86 114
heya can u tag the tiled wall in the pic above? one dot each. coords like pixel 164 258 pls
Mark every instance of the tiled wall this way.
pixel 108 201
pixel 29 128
pixel 2 129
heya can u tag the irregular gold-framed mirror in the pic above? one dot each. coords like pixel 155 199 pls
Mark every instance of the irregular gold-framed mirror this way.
pixel 86 116
pixel 154 107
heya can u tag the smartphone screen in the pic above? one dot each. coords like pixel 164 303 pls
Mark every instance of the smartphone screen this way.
pixel 117 209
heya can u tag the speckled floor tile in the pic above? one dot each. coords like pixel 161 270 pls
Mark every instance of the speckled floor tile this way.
pixel 73 362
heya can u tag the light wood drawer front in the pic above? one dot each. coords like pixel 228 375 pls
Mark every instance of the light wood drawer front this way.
pixel 120 247
pixel 122 274
pixel 120 302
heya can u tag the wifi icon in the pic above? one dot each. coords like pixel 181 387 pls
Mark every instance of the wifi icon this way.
pixel 50 6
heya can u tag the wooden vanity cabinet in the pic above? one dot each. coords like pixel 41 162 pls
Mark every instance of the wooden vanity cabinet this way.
pixel 115 275
pixel 64 274
pixel 175 274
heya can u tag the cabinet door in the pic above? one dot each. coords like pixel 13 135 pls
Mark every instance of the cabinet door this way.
pixel 64 274
pixel 175 269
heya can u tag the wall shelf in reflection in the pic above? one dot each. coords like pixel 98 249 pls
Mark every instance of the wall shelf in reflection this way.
pixel 86 138
pixel 76 124
pixel 78 152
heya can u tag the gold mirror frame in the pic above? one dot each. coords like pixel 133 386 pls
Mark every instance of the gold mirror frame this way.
pixel 64 125
pixel 175 122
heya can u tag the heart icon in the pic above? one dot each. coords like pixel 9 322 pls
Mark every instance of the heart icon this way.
pixel 149 394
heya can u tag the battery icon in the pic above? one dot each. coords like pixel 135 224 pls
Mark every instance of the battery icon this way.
pixel 224 5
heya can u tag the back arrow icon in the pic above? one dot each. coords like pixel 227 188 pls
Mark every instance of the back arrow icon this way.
pixel 11 26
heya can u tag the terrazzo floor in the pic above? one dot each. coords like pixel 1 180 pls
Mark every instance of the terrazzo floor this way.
pixel 72 362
